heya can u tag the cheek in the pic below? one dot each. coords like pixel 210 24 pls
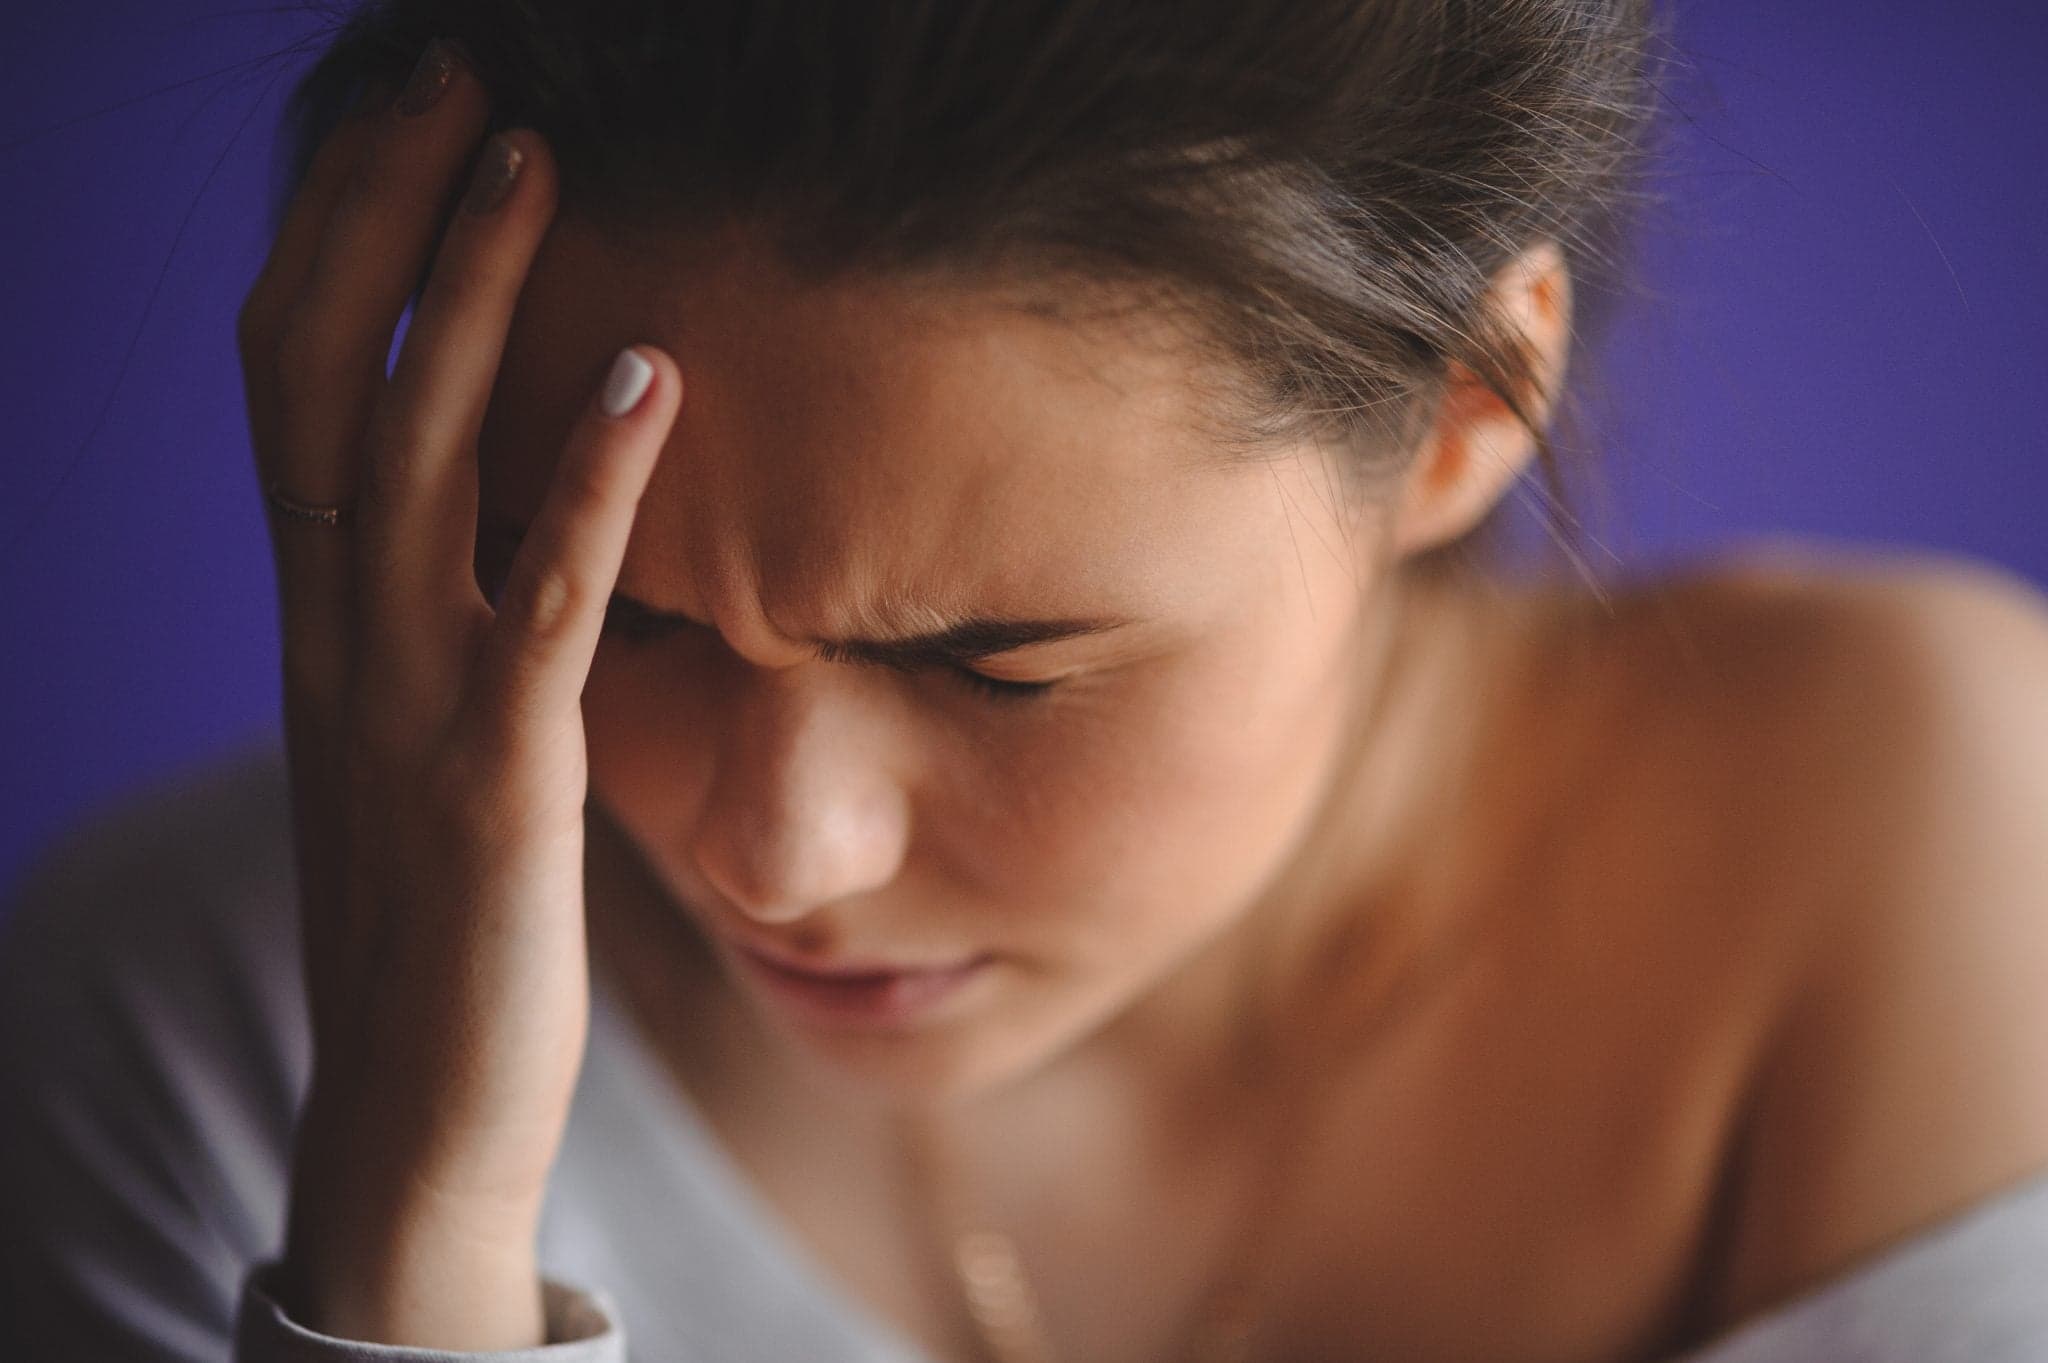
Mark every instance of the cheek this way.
pixel 1156 818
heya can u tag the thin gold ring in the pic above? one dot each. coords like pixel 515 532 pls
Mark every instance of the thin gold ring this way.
pixel 305 511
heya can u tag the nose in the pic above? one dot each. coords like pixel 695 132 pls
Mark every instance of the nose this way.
pixel 803 808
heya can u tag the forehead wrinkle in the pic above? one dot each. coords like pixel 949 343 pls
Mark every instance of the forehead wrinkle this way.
pixel 878 520
pixel 894 582
pixel 887 453
pixel 807 608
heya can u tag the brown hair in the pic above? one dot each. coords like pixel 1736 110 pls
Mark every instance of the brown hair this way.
pixel 1328 187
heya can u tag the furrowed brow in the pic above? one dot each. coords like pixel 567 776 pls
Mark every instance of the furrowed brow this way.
pixel 963 641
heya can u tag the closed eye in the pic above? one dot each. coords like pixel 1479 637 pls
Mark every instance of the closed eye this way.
pixel 632 623
pixel 1001 688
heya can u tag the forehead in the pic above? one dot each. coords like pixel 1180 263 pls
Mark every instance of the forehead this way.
pixel 876 440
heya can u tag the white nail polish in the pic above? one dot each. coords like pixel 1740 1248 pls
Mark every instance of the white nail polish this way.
pixel 626 384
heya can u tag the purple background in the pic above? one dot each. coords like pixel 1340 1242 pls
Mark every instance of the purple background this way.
pixel 1842 337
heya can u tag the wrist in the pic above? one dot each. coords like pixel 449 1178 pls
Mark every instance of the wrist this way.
pixel 379 1252
pixel 421 1276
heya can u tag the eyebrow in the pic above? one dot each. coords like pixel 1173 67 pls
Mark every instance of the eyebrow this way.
pixel 963 641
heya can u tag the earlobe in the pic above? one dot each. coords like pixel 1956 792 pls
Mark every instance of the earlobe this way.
pixel 1478 445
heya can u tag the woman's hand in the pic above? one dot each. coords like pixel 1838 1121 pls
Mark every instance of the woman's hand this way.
pixel 435 743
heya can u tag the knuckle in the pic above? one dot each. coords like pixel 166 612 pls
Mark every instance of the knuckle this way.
pixel 307 356
pixel 545 602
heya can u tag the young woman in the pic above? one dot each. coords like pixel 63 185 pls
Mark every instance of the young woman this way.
pixel 897 749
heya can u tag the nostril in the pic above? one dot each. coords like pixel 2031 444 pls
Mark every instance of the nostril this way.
pixel 750 887
pixel 776 872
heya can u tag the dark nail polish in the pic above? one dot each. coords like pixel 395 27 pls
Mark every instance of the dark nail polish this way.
pixel 495 172
pixel 430 79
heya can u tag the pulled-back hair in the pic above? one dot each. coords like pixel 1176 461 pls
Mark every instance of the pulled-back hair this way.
pixel 1327 188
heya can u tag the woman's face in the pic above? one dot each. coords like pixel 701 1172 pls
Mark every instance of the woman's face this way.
pixel 858 465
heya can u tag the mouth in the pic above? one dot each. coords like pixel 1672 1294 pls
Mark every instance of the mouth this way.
pixel 860 994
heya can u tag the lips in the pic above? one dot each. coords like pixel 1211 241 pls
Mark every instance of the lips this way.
pixel 861 996
pixel 849 969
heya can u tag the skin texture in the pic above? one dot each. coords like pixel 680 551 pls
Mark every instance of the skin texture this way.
pixel 1467 910
pixel 860 459
pixel 845 450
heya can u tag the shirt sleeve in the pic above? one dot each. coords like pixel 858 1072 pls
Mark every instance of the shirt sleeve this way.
pixel 582 1327
pixel 149 1068
pixel 1973 1289
pixel 153 1057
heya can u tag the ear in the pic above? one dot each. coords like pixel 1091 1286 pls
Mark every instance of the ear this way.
pixel 1477 447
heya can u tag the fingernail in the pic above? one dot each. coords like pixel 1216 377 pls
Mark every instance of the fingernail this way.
pixel 495 173
pixel 430 79
pixel 626 384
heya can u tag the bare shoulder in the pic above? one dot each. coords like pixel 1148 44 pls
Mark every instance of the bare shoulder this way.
pixel 1845 691
pixel 1879 725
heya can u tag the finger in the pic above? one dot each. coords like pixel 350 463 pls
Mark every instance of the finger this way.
pixel 332 165
pixel 312 657
pixel 336 335
pixel 259 326
pixel 417 533
pixel 537 653
pixel 372 249
pixel 311 718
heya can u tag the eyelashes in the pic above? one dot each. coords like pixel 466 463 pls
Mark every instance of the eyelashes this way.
pixel 1001 688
